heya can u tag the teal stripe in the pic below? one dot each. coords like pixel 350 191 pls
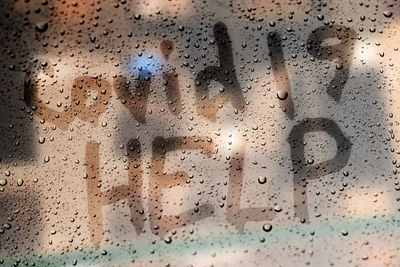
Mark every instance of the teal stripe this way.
pixel 216 243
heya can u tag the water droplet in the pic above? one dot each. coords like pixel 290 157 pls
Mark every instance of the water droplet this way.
pixel 267 227
pixel 282 94
pixel 262 179
pixel 277 208
pixel 387 13
pixel 42 26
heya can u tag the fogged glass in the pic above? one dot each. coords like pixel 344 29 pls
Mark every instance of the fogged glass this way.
pixel 199 133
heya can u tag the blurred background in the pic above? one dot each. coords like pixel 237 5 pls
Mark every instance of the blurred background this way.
pixel 199 133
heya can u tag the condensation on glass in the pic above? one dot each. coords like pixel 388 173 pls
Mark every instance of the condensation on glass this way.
pixel 199 133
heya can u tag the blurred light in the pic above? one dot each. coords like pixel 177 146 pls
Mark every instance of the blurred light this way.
pixel 368 203
pixel 145 64
pixel 182 7
pixel 233 139
pixel 364 52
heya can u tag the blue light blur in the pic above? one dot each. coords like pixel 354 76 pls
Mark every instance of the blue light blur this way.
pixel 143 64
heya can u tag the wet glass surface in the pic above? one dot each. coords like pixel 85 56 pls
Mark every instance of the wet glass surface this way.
pixel 199 133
